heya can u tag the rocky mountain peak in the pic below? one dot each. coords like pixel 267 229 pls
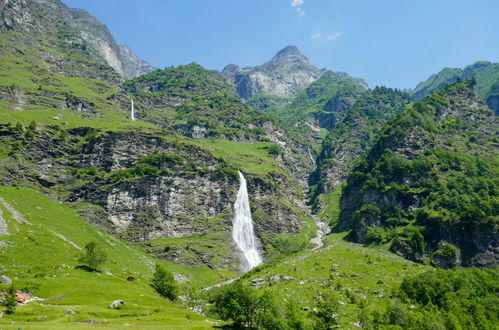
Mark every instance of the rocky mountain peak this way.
pixel 285 75
pixel 290 53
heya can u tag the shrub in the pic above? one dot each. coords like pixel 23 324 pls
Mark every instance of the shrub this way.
pixel 275 150
pixel 240 304
pixel 164 283
pixel 326 315
pixel 94 256
pixel 10 302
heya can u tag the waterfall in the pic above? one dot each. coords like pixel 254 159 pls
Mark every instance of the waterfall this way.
pixel 132 112
pixel 242 230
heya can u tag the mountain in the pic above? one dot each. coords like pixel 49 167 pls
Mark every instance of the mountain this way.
pixel 317 109
pixel 425 185
pixel 409 187
pixel 200 103
pixel 41 17
pixel 173 173
pixel 486 75
pixel 274 82
pixel 355 134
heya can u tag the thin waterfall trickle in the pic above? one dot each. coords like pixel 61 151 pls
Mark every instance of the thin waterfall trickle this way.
pixel 132 111
pixel 242 230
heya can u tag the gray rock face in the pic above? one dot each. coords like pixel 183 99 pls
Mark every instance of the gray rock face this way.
pixel 285 75
pixel 32 15
pixel 133 66
pixel 5 280
pixel 174 204
pixel 120 57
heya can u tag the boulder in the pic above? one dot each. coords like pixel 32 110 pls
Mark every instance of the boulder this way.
pixel 69 312
pixel 5 280
pixel 116 304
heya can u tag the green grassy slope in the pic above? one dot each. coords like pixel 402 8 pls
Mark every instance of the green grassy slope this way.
pixel 358 276
pixel 41 257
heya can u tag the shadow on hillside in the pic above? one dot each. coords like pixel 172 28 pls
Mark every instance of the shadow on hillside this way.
pixel 87 269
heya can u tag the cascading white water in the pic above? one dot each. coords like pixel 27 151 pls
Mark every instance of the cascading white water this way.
pixel 132 112
pixel 242 230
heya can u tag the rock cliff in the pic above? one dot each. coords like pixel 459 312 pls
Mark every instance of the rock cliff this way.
pixel 53 17
pixel 288 73
pixel 148 185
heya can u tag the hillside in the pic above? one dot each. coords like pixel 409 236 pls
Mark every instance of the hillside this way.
pixel 366 209
pixel 40 18
pixel 317 109
pixel 485 73
pixel 54 235
pixel 355 134
pixel 427 184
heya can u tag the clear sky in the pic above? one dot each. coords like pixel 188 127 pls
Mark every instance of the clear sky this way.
pixel 396 43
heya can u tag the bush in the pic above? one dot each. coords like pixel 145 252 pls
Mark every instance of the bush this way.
pixel 164 283
pixel 10 302
pixel 94 256
pixel 240 304
pixel 275 150
pixel 326 316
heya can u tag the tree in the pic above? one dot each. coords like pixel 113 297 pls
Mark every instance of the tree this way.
pixel 164 283
pixel 238 303
pixel 10 302
pixel 94 256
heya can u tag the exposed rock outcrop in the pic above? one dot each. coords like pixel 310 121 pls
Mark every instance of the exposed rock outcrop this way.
pixel 288 73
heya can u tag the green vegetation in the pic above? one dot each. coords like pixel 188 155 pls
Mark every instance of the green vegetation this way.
pixel 445 188
pixel 256 158
pixel 241 305
pixel 164 283
pixel 94 256
pixel 10 302
pixel 485 73
pixel 41 256
pixel 461 299
pixel 331 94
pixel 188 98
pixel 354 135
pixel 422 183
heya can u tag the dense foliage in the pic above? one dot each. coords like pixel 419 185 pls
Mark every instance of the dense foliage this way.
pixel 327 98
pixel 352 136
pixel 9 300
pixel 485 73
pixel 443 299
pixel 164 283
pixel 241 305
pixel 189 96
pixel 432 183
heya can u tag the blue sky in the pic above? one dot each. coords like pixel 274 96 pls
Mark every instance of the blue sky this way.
pixel 396 43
